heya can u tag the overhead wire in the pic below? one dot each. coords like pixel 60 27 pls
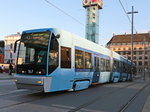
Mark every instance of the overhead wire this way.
pixel 47 1
pixel 126 14
pixel 64 12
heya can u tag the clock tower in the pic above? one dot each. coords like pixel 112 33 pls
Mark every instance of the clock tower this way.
pixel 92 19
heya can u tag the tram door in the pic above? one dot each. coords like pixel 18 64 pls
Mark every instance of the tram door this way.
pixel 96 74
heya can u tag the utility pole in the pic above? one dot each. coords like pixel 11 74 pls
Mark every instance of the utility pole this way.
pixel 144 59
pixel 132 26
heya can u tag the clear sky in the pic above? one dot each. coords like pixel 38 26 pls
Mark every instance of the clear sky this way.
pixel 19 15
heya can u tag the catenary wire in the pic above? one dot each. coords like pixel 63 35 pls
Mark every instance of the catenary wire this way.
pixel 64 12
pixel 126 14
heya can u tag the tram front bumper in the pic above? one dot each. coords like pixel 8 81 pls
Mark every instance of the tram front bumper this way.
pixel 33 83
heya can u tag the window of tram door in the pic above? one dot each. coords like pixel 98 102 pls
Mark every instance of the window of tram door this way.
pixel 102 65
pixel 107 65
pixel 65 57
pixel 79 59
pixel 53 54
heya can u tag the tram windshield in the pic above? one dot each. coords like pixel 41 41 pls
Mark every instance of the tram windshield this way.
pixel 33 50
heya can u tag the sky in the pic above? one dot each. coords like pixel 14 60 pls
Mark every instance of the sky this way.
pixel 19 15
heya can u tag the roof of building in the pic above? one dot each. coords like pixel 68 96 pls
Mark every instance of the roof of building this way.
pixel 126 38
pixel 14 35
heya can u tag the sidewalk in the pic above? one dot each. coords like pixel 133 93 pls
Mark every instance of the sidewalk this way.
pixel 5 76
pixel 147 105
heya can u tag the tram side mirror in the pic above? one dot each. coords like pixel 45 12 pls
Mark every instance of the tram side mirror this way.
pixel 15 45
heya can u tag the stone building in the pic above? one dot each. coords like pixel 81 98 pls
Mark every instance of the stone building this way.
pixel 122 45
pixel 10 56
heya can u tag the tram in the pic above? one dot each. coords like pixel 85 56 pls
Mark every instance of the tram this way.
pixel 52 60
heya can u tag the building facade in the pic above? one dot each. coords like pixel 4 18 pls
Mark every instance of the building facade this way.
pixel 1 51
pixel 9 55
pixel 141 42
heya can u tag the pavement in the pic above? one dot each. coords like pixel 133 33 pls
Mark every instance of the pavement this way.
pixel 6 76
pixel 146 108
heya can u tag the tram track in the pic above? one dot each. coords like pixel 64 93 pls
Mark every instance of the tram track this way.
pixel 99 97
pixel 42 96
pixel 125 106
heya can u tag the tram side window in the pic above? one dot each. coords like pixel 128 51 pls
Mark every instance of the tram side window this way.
pixel 102 65
pixel 107 65
pixel 65 57
pixel 88 60
pixel 53 54
pixel 116 66
pixel 79 59
pixel 124 67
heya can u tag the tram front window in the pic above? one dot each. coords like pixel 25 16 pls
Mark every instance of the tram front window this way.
pixel 32 56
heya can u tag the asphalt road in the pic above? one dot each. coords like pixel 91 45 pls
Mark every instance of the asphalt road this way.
pixel 112 97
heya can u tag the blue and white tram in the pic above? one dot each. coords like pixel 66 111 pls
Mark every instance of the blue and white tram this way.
pixel 53 60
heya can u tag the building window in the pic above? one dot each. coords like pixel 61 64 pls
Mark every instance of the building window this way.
pixel 146 63
pixel 135 62
pixel 140 48
pixel 88 60
pixel 124 53
pixel 140 63
pixel 134 57
pixel 79 60
pixel 129 58
pixel 134 52
pixel 118 52
pixel 135 48
pixel 65 57
pixel 129 52
pixel 140 52
pixel 146 57
pixel 140 57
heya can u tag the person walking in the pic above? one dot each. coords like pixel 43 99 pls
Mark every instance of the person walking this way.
pixel 10 69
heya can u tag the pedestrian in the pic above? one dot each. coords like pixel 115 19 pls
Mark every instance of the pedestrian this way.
pixel 2 68
pixel 10 69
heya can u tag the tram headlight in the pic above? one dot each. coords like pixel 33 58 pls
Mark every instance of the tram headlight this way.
pixel 23 71
pixel 40 72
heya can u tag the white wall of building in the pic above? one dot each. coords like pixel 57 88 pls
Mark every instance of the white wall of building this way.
pixel 9 48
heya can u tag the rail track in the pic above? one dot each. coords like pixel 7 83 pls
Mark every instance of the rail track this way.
pixel 42 96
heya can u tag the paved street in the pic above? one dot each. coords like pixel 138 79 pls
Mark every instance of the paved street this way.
pixel 112 97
